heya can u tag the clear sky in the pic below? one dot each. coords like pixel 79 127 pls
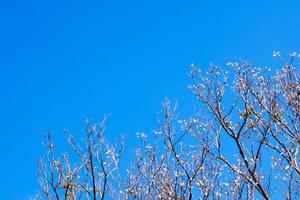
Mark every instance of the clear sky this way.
pixel 63 61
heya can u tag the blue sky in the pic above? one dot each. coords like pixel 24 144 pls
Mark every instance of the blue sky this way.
pixel 64 61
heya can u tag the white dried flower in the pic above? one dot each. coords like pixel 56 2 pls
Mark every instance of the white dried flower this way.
pixel 276 54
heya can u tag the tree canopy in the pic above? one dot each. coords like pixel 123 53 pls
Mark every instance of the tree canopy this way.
pixel 242 144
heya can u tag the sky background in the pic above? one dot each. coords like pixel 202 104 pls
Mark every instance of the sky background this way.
pixel 64 61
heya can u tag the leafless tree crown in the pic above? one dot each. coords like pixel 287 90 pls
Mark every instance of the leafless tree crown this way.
pixel 244 144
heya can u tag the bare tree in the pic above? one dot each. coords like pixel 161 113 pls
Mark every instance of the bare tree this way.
pixel 86 174
pixel 260 120
pixel 242 144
